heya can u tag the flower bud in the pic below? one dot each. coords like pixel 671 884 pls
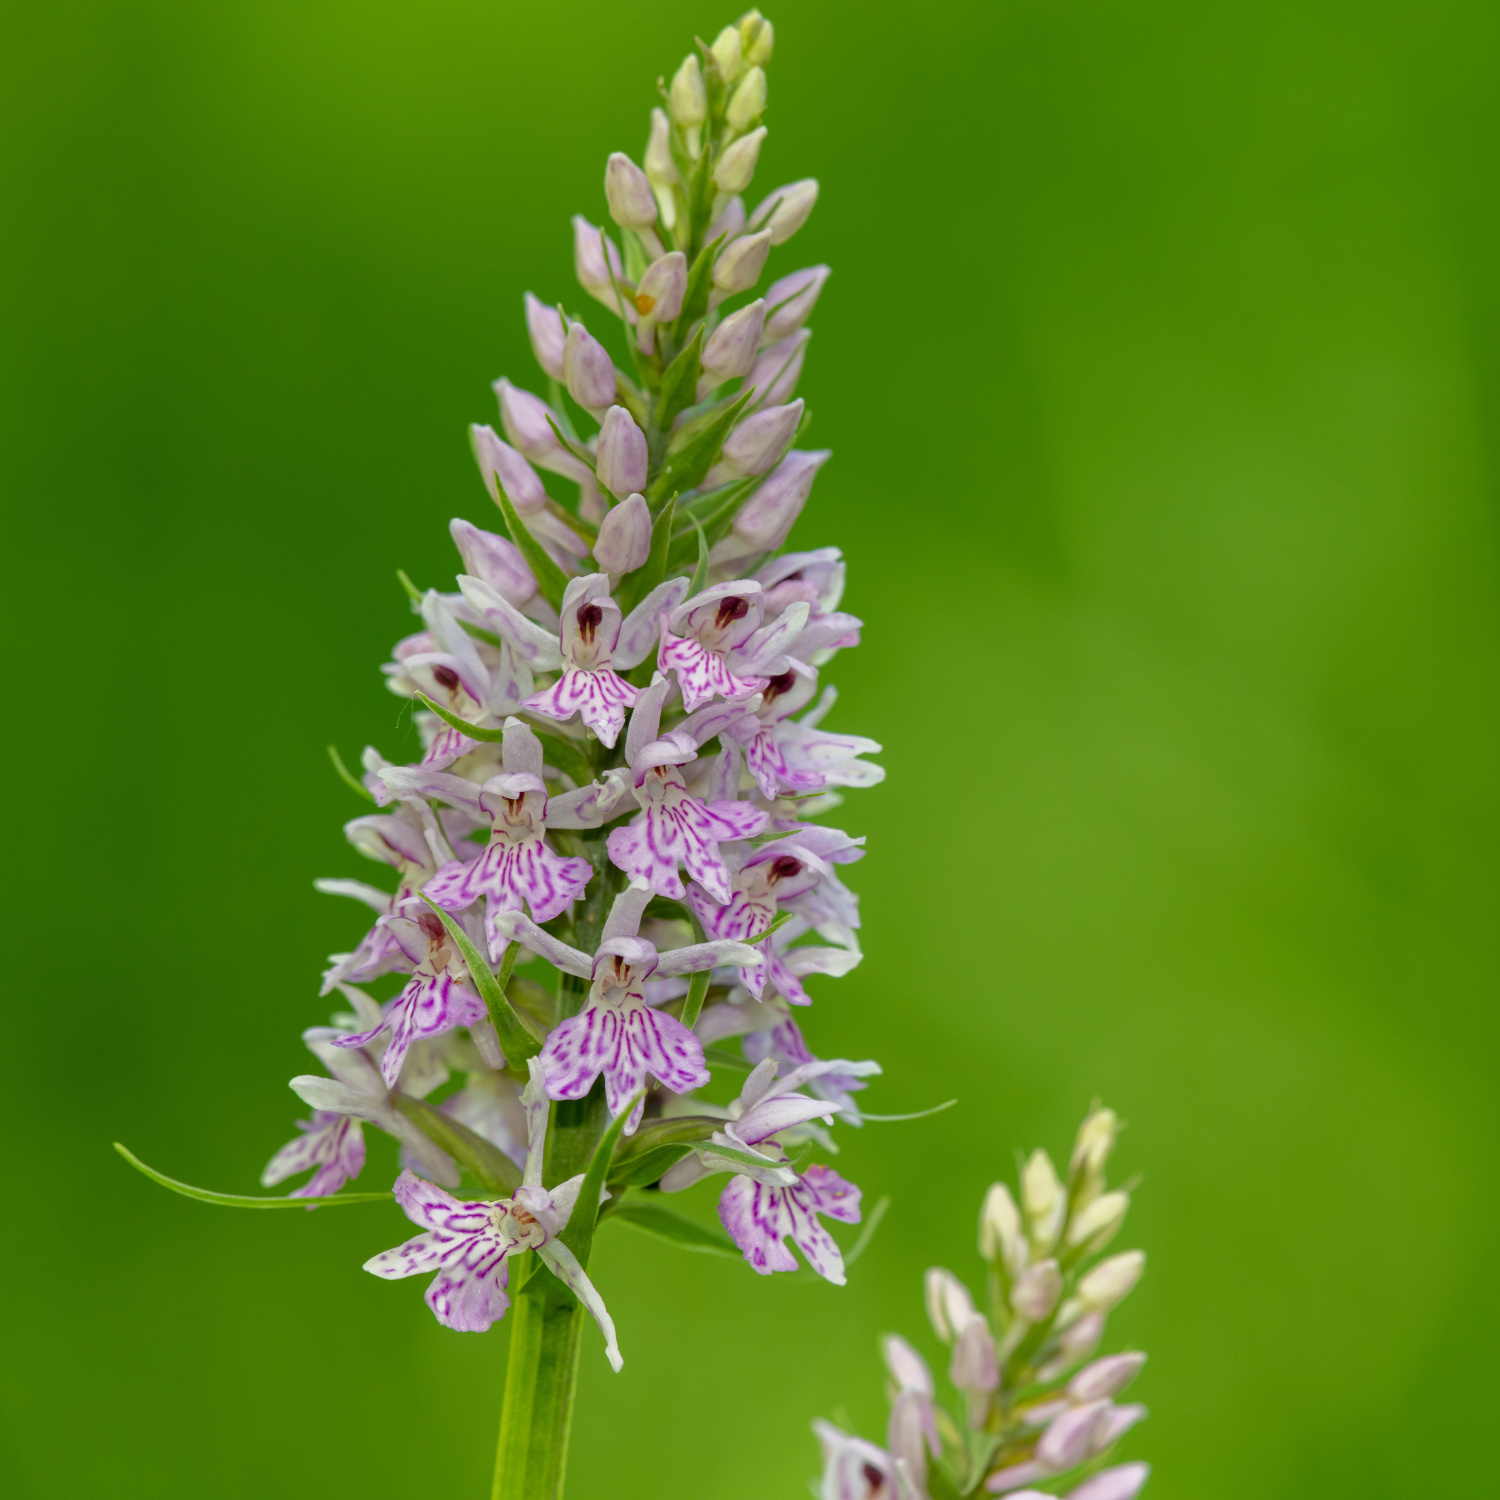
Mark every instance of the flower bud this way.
pixel 621 465
pixel 1096 1224
pixel 790 301
pixel 736 166
pixel 910 1434
pixel 1036 1291
pixel 591 246
pixel 661 166
pixel 624 541
pixel 687 98
pixel 496 559
pixel 759 441
pixel 730 223
pixel 764 520
pixel 1122 1482
pixel 1078 1341
pixel 1044 1199
pixel 545 326
pixel 1105 1377
pixel 908 1368
pixel 727 53
pixel 785 211
pixel 974 1368
pixel 1111 1281
pixel 523 486
pixel 1113 1425
pixel 731 347
pixel 949 1305
pixel 740 263
pixel 1000 1236
pixel 777 369
pixel 627 190
pixel 748 100
pixel 663 286
pixel 1066 1442
pixel 757 38
pixel 588 369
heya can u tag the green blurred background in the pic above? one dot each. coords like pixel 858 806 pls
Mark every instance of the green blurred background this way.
pixel 1162 367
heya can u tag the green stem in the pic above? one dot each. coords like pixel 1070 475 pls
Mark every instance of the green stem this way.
pixel 540 1380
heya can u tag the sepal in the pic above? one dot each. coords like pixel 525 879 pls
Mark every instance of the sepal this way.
pixel 241 1200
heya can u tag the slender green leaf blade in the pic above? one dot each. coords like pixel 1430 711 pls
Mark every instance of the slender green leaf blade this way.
pixel 919 1114
pixel 452 720
pixel 494 1171
pixel 516 1039
pixel 676 1229
pixel 549 577
pixel 700 573
pixel 240 1200
pixel 679 385
pixel 348 776
pixel 578 1236
pixel 642 1171
pixel 700 280
pixel 867 1231
pixel 695 458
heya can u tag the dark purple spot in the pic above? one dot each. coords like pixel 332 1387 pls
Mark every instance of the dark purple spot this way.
pixel 447 676
pixel 785 867
pixel 874 1478
pixel 779 685
pixel 589 616
pixel 735 608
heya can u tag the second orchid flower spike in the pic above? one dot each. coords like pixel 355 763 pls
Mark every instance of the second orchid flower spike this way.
pixel 592 641
pixel 617 1033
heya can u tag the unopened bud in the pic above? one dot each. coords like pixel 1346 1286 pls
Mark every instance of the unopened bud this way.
pixel 974 1368
pixel 621 461
pixel 663 286
pixel 757 38
pixel 1111 1281
pixel 1078 1341
pixel 730 223
pixel 687 98
pixel 624 541
pixel 1036 1291
pixel 661 166
pixel 597 264
pixel 1105 1377
pixel 777 369
pixel 726 51
pixel 627 190
pixel 949 1305
pixel 1096 1139
pixel 908 1368
pixel 588 369
pixel 790 301
pixel 785 211
pixel 1096 1224
pixel 1044 1200
pixel 1066 1442
pixel 518 415
pixel 1122 1482
pixel 495 559
pixel 767 516
pixel 545 326
pixel 736 166
pixel 759 441
pixel 910 1435
pixel 730 349
pixel 748 101
pixel 1000 1236
pixel 740 263
pixel 1113 1425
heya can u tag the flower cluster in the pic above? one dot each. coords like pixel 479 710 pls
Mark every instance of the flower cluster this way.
pixel 1026 1415
pixel 607 859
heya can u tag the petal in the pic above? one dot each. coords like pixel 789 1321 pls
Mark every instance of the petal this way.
pixel 753 1215
pixel 564 1265
pixel 467 1299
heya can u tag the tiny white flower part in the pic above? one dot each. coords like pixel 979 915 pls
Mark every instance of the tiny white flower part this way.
pixel 469 1244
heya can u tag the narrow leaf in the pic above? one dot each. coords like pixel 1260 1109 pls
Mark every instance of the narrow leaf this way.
pixel 578 1236
pixel 679 384
pixel 353 781
pixel 474 731
pixel 412 591
pixel 676 1229
pixel 699 284
pixel 700 573
pixel 642 1171
pixel 692 1007
pixel 549 577
pixel 578 451
pixel 565 756
pixel 238 1200
pixel 695 458
pixel 722 1057
pixel 920 1114
pixel 516 1039
pixel 494 1171
pixel 779 920
pixel 867 1232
